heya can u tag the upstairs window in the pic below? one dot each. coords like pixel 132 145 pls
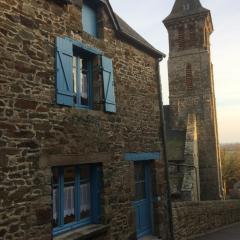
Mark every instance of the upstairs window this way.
pixel 75 76
pixel 89 17
pixel 82 80
pixel 189 77
pixel 75 196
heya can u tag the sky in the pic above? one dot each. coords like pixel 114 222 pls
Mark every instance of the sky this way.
pixel 146 18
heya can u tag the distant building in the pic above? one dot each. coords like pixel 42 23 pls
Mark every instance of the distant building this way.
pixel 192 133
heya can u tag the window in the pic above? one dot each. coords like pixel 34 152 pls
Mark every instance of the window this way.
pixel 181 38
pixel 192 36
pixel 189 77
pixel 140 191
pixel 75 75
pixel 82 80
pixel 76 197
pixel 89 17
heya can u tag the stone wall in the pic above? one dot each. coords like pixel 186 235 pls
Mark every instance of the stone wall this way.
pixel 191 219
pixel 37 134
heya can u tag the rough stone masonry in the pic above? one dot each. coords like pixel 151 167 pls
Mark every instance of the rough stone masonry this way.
pixel 192 219
pixel 37 134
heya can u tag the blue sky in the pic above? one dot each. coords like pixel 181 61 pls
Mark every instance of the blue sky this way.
pixel 146 18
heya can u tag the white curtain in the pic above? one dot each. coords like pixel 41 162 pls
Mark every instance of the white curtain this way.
pixel 85 200
pixel 85 197
pixel 54 204
pixel 68 201
pixel 84 86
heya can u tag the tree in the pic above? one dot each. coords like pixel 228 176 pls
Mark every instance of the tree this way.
pixel 230 165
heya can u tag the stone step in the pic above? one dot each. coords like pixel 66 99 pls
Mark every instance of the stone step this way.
pixel 149 238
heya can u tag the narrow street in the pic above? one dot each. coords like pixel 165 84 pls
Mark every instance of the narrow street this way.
pixel 231 233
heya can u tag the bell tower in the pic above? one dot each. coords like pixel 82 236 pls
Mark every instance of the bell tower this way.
pixel 191 87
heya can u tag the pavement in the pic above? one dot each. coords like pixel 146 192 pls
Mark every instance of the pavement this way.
pixel 230 233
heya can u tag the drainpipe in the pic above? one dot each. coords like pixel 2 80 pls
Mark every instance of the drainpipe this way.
pixel 169 203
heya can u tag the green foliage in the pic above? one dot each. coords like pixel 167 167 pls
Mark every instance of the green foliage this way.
pixel 230 155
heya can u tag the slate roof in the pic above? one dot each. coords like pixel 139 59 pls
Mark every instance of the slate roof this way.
pixel 175 139
pixel 128 32
pixel 184 8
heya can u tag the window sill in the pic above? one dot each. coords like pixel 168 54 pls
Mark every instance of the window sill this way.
pixel 83 233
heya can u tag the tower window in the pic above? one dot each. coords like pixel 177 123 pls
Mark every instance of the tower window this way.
pixel 181 40
pixel 189 77
pixel 192 36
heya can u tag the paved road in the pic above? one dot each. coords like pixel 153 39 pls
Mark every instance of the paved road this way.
pixel 231 233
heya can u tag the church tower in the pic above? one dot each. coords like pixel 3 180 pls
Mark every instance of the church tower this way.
pixel 191 87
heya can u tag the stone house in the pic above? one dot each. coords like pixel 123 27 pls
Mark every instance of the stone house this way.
pixel 192 132
pixel 81 130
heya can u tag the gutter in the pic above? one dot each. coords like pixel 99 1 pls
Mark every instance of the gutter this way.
pixel 169 202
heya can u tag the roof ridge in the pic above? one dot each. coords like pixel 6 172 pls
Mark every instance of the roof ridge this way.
pixel 127 31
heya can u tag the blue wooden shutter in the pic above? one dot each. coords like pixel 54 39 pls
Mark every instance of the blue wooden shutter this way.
pixel 108 85
pixel 96 187
pixel 64 82
pixel 89 20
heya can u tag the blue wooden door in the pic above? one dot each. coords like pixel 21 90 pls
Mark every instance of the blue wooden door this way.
pixel 143 195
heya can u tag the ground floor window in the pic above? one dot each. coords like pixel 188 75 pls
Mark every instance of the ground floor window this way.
pixel 76 196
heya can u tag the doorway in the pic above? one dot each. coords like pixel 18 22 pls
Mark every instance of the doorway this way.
pixel 143 198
